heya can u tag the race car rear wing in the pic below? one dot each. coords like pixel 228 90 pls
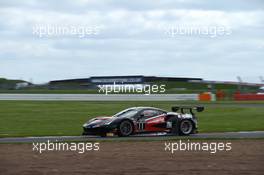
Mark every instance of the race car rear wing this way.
pixel 190 108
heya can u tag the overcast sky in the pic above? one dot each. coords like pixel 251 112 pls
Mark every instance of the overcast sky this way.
pixel 132 38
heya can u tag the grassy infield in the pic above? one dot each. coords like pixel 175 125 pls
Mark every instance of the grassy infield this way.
pixel 29 118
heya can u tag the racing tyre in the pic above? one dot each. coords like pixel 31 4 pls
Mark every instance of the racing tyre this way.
pixel 125 128
pixel 186 127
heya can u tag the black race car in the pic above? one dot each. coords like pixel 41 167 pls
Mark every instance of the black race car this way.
pixel 138 120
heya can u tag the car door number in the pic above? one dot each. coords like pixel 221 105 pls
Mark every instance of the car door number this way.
pixel 141 126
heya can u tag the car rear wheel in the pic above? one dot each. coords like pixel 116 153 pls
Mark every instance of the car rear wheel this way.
pixel 125 128
pixel 186 127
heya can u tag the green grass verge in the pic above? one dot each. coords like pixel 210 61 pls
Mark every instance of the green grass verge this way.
pixel 36 118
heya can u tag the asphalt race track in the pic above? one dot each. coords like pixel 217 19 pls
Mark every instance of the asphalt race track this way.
pixel 114 97
pixel 155 137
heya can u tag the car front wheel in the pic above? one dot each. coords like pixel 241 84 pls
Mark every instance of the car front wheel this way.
pixel 125 128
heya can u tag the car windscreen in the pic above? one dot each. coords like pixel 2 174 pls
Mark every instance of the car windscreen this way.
pixel 126 113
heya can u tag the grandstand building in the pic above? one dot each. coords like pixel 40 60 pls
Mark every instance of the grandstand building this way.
pixel 93 82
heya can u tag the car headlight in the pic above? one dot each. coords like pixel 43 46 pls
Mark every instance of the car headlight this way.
pixel 108 122
pixel 85 124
